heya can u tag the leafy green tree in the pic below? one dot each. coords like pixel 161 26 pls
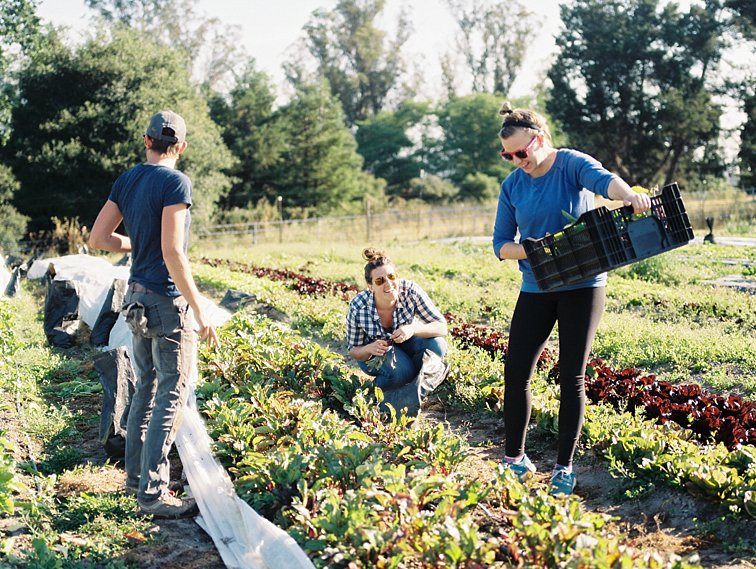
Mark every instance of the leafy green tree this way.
pixel 470 142
pixel 432 189
pixel 255 136
pixel 13 224
pixel 67 150
pixel 19 32
pixel 384 143
pixel 493 40
pixel 479 187
pixel 745 18
pixel 373 190
pixel 745 11
pixel 632 85
pixel 19 26
pixel 320 171
pixel 359 62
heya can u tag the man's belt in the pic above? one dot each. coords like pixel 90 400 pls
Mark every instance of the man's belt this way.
pixel 136 287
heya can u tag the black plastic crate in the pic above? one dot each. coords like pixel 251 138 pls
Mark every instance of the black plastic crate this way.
pixel 604 239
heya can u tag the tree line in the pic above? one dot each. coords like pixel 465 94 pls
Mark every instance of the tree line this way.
pixel 640 84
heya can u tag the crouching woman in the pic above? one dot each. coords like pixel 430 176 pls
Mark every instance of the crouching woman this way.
pixel 393 323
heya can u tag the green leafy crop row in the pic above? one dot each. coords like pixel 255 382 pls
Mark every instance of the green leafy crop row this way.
pixel 9 346
pixel 307 448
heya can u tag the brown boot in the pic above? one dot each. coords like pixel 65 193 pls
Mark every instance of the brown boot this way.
pixel 169 506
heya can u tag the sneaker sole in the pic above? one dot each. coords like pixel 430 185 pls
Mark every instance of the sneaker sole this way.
pixel 556 492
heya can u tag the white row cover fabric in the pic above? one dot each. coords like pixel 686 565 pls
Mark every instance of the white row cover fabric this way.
pixel 244 539
pixel 5 276
pixel 94 275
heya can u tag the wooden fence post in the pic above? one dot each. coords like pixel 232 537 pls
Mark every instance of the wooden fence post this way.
pixel 367 220
pixel 279 201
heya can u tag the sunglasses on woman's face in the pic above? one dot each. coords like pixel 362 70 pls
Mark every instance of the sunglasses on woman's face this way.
pixel 380 280
pixel 522 154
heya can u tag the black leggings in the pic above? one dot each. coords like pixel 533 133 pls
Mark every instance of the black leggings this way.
pixel 578 313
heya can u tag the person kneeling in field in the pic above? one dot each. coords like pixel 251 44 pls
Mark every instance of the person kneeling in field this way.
pixel 396 334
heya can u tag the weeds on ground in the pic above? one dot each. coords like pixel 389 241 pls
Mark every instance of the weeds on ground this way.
pixel 66 532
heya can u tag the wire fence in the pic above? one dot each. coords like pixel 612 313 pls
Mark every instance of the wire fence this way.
pixel 442 223
pixel 429 224
pixel 414 225
pixel 720 210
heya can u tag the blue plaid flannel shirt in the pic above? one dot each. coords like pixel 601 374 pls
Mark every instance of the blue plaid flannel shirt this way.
pixel 364 324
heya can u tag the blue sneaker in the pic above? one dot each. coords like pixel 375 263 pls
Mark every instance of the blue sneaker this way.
pixel 562 482
pixel 523 468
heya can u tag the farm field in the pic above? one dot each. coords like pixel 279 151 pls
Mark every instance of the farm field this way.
pixel 296 425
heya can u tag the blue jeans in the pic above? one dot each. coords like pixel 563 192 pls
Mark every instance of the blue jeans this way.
pixel 163 355
pixel 403 361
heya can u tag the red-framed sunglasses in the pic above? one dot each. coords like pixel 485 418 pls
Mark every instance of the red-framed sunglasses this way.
pixel 522 154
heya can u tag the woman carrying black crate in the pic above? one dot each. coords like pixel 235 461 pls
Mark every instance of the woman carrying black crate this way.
pixel 533 200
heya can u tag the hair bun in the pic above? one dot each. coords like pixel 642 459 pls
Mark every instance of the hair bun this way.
pixel 505 109
pixel 372 253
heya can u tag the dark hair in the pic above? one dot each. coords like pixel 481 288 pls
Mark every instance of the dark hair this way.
pixel 164 146
pixel 521 118
pixel 375 258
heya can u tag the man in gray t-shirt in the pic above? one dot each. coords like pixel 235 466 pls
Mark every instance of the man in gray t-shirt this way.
pixel 153 199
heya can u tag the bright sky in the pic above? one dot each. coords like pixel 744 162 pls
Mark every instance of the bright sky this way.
pixel 269 27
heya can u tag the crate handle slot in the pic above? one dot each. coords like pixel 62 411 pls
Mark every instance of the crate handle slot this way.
pixel 646 236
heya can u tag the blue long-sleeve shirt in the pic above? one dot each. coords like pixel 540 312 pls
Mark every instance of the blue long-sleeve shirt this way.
pixel 534 205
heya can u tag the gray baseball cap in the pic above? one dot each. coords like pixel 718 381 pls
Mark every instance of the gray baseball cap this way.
pixel 168 126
